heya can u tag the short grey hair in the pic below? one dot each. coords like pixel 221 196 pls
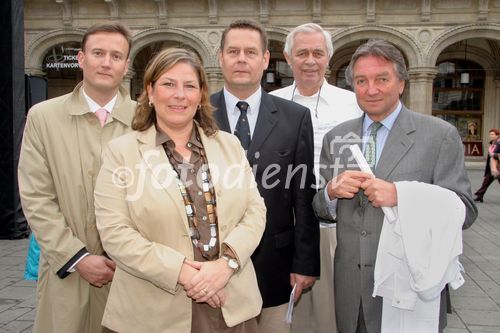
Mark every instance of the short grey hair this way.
pixel 308 28
pixel 378 48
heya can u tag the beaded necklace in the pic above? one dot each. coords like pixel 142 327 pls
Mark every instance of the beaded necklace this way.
pixel 208 194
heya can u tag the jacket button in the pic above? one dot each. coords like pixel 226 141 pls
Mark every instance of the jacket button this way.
pixel 363 233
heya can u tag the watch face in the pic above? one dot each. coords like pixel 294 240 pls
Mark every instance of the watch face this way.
pixel 233 263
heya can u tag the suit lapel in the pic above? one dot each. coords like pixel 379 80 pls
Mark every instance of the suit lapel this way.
pixel 220 113
pixel 155 159
pixel 353 137
pixel 397 145
pixel 266 120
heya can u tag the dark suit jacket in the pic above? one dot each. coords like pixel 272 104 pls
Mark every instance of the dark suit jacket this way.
pixel 282 141
pixel 418 148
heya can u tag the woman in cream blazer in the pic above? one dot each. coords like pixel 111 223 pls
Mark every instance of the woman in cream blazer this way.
pixel 142 219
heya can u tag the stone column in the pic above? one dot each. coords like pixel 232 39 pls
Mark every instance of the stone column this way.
pixel 126 80
pixel 35 71
pixel 215 79
pixel 420 89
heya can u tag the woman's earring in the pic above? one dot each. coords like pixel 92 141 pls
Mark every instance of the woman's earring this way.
pixel 150 104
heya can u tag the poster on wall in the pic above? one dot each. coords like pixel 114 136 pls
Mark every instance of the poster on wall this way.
pixel 469 128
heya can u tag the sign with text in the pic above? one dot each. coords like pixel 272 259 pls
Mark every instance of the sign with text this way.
pixel 63 56
pixel 473 148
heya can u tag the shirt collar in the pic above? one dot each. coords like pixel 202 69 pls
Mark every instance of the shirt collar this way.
pixel 253 101
pixel 162 137
pixel 296 93
pixel 388 122
pixel 93 106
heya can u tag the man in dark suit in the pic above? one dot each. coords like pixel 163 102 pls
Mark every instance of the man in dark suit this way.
pixel 405 146
pixel 278 137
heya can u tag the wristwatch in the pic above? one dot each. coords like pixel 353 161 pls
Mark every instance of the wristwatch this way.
pixel 231 262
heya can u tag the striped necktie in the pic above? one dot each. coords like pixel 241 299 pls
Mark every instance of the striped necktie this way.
pixel 371 145
pixel 242 130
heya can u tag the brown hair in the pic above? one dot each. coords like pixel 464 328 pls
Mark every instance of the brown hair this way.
pixel 145 115
pixel 113 27
pixel 245 24
pixel 378 48
pixel 494 130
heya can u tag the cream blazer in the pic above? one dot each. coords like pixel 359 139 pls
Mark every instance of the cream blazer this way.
pixel 143 226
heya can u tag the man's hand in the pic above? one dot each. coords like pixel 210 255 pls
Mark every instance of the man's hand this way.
pixel 302 281
pixel 347 184
pixel 211 278
pixel 380 192
pixel 97 270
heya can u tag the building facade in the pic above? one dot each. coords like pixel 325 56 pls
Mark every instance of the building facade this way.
pixel 452 47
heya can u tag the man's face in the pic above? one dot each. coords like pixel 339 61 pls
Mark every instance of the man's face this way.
pixel 377 86
pixel 104 61
pixel 308 59
pixel 243 61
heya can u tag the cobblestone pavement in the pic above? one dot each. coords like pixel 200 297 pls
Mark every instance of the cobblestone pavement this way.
pixel 476 305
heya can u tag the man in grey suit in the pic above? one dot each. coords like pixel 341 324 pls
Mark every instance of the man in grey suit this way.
pixel 404 145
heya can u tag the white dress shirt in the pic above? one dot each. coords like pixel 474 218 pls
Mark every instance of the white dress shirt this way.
pixel 417 256
pixel 332 106
pixel 233 113
pixel 93 106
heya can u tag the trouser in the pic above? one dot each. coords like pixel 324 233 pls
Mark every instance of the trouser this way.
pixel 315 310
pixel 488 179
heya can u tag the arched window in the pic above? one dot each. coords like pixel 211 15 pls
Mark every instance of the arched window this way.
pixel 459 101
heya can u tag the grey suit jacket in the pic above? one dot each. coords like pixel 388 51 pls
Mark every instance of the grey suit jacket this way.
pixel 418 148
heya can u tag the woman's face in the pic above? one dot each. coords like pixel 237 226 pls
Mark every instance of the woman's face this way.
pixel 493 136
pixel 176 96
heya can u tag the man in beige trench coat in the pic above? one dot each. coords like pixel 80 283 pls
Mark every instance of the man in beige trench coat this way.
pixel 59 162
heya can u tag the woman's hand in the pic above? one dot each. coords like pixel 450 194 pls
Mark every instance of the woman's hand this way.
pixel 212 277
pixel 186 275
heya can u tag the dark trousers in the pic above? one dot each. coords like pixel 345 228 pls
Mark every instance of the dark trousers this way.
pixel 488 179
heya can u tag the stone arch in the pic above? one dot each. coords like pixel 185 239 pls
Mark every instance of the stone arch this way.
pixel 402 39
pixel 277 33
pixel 153 35
pixel 43 42
pixel 477 55
pixel 456 34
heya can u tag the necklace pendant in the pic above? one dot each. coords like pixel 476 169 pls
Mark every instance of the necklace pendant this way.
pixel 194 233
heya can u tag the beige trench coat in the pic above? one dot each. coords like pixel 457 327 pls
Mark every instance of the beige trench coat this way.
pixel 143 225
pixel 59 162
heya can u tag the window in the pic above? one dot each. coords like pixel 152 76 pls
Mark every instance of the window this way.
pixel 460 104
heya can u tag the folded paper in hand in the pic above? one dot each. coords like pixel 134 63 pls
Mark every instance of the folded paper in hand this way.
pixel 289 311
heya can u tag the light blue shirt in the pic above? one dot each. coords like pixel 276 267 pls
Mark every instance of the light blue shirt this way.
pixel 382 134
pixel 233 113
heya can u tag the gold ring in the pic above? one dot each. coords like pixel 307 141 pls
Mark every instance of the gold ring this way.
pixel 205 292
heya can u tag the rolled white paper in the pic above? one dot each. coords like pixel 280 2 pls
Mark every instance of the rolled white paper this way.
pixel 363 166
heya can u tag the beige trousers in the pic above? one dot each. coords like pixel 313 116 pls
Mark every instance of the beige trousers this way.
pixel 315 311
pixel 272 320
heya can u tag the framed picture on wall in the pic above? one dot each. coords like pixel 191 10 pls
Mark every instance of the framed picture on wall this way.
pixel 469 128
